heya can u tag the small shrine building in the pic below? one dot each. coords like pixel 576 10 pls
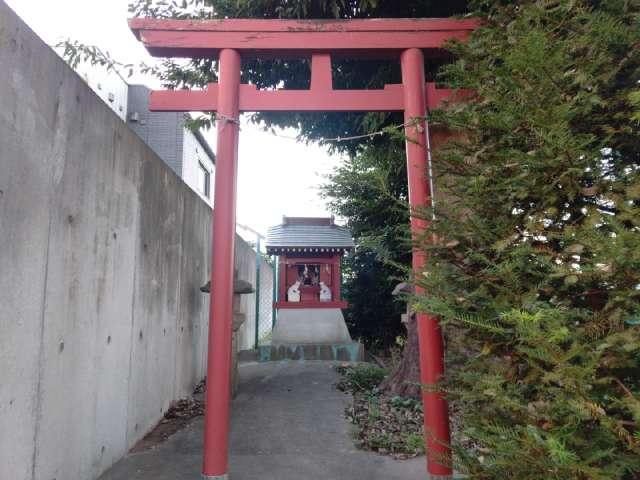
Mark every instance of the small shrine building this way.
pixel 309 301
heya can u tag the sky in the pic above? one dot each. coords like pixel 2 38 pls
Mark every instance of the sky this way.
pixel 276 176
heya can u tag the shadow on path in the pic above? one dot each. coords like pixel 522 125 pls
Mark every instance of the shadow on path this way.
pixel 287 423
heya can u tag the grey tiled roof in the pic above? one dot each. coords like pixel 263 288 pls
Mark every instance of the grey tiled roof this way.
pixel 317 236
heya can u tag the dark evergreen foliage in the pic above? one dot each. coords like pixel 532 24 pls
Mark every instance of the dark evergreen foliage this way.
pixel 537 249
pixel 369 190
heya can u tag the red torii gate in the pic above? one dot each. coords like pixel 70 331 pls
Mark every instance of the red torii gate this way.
pixel 229 40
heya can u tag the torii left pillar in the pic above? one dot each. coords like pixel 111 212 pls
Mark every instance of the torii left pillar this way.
pixel 216 432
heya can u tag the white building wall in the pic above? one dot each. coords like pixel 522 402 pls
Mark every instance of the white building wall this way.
pixel 112 89
pixel 192 155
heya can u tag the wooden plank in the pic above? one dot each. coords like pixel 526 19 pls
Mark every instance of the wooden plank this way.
pixel 185 100
pixel 205 44
pixel 321 75
pixel 337 25
pixel 205 38
pixel 253 100
pixel 389 99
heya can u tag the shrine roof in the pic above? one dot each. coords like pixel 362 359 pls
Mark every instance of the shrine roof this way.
pixel 312 234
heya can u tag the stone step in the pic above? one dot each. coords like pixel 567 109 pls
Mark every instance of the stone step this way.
pixel 344 352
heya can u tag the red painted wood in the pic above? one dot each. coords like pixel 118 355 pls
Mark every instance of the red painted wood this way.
pixel 282 281
pixel 216 422
pixel 205 38
pixel 185 100
pixel 437 96
pixel 321 77
pixel 314 101
pixel 207 44
pixel 309 293
pixel 318 304
pixel 321 257
pixel 319 99
pixel 436 418
pixel 337 280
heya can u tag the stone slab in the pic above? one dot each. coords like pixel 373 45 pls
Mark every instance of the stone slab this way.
pixel 287 423
pixel 298 326
pixel 344 352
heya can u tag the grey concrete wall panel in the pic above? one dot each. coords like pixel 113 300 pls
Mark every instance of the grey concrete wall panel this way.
pixel 191 338
pixel 102 253
pixel 88 294
pixel 155 304
pixel 24 234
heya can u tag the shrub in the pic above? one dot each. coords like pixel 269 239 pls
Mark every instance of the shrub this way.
pixel 363 377
pixel 535 247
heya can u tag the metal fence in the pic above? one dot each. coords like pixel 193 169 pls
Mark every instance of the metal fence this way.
pixel 265 304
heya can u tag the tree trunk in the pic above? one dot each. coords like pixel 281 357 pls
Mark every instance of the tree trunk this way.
pixel 404 380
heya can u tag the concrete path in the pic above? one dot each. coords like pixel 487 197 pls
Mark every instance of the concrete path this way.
pixel 287 424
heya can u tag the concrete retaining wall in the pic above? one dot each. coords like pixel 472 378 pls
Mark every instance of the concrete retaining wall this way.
pixel 102 252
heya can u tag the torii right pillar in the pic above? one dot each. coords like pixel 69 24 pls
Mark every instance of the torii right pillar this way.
pixel 436 415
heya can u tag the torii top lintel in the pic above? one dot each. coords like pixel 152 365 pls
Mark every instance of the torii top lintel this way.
pixel 315 39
